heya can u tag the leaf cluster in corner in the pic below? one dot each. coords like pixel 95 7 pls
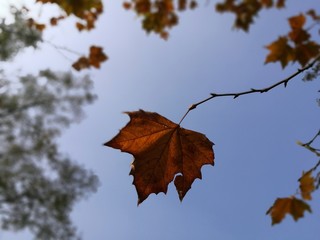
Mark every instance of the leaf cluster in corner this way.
pixel 159 16
pixel 246 11
pixel 87 11
pixel 296 46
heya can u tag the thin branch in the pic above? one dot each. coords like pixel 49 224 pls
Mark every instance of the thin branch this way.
pixel 316 22
pixel 60 50
pixel 311 141
pixel 283 82
pixel 317 179
pixel 309 147
pixel 315 167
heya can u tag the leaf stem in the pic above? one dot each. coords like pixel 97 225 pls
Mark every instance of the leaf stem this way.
pixel 252 90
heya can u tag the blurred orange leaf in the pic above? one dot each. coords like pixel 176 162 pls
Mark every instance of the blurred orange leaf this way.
pixel 95 58
pixel 307 185
pixel 160 15
pixel 281 3
pixel 80 26
pixel 127 5
pixel 77 7
pixel 313 14
pixel 81 63
pixel 282 206
pixel 280 51
pixel 297 21
pixel 54 20
pixel 33 24
pixel 307 51
pixel 87 10
pixel 299 36
pixel 162 151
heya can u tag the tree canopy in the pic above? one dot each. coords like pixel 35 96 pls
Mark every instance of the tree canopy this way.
pixel 38 183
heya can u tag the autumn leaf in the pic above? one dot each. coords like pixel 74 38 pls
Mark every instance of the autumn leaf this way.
pixel 281 3
pixel 244 11
pixel 297 22
pixel 81 63
pixel 307 185
pixel 95 58
pixel 267 3
pixel 313 14
pixel 299 36
pixel 126 5
pixel 87 11
pixel 193 5
pixel 282 206
pixel 32 23
pixel 77 7
pixel 182 5
pixel 54 20
pixel 161 15
pixel 280 51
pixel 80 26
pixel 162 151
pixel 307 51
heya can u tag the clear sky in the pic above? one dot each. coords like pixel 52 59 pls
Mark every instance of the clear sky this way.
pixel 257 158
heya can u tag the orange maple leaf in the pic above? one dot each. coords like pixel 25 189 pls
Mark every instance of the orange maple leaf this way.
pixel 306 51
pixel 282 206
pixel 307 185
pixel 297 22
pixel 81 63
pixel 281 3
pixel 162 151
pixel 97 56
pixel 280 51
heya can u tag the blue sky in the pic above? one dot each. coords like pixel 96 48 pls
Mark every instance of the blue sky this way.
pixel 257 158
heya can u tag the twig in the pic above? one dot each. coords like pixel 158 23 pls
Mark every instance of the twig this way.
pixel 252 90
pixel 309 147
pixel 311 141
pixel 315 167
pixel 60 50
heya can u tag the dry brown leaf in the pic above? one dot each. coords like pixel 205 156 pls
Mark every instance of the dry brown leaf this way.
pixel 282 206
pixel 33 24
pixel 97 56
pixel 280 51
pixel 297 22
pixel 281 3
pixel 162 151
pixel 81 63
pixel 307 185
pixel 306 52
pixel 127 5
